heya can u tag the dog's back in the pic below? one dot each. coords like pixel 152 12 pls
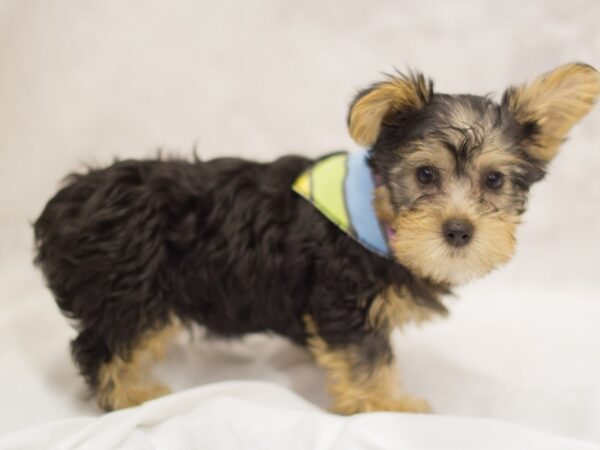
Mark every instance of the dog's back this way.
pixel 127 248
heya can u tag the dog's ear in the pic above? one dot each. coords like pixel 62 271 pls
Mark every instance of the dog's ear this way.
pixel 552 104
pixel 370 107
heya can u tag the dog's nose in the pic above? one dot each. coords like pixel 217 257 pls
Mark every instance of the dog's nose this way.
pixel 458 232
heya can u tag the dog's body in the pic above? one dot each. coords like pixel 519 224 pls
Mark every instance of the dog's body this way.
pixel 136 249
pixel 224 243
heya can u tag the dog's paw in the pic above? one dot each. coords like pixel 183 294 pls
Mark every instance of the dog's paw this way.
pixel 412 404
pixel 121 396
pixel 405 403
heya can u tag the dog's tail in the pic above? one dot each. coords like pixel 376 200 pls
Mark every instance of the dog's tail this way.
pixel 56 235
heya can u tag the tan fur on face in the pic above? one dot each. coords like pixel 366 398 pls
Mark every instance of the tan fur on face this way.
pixel 555 101
pixel 124 382
pixel 382 205
pixel 418 241
pixel 355 388
pixel 370 108
pixel 419 244
pixel 429 153
pixel 495 158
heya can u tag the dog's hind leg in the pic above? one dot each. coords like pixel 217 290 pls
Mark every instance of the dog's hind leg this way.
pixel 125 381
pixel 122 380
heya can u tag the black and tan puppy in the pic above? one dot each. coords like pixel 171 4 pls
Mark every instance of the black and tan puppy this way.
pixel 134 250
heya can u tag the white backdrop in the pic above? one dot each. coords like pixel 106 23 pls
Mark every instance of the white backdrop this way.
pixel 84 81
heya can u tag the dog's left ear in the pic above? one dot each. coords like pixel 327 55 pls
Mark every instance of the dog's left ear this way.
pixel 552 104
pixel 371 107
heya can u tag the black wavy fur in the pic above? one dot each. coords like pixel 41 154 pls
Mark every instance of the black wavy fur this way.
pixel 225 243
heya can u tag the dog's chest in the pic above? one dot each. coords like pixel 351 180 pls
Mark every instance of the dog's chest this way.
pixel 395 308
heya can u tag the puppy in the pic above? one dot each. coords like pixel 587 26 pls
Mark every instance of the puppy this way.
pixel 133 251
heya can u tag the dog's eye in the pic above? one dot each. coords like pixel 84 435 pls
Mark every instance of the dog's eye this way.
pixel 494 180
pixel 426 175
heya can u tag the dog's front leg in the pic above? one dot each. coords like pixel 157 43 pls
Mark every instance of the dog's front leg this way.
pixel 362 377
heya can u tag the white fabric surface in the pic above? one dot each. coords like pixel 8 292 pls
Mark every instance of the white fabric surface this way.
pixel 264 416
pixel 82 81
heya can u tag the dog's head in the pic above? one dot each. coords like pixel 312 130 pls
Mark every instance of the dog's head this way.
pixel 455 170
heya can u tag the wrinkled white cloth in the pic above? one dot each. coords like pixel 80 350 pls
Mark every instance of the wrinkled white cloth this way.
pixel 253 415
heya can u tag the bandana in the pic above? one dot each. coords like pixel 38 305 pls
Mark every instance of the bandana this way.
pixel 340 186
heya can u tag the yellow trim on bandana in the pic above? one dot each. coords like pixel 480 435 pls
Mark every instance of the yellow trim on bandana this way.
pixel 323 185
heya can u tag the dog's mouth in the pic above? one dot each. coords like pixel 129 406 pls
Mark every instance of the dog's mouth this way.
pixel 451 250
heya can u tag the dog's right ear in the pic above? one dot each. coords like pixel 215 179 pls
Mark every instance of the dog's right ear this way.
pixel 552 104
pixel 370 107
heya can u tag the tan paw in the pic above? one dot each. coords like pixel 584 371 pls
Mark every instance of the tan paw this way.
pixel 403 404
pixel 125 396
pixel 412 404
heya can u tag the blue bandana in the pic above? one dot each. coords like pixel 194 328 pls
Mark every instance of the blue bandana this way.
pixel 341 187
